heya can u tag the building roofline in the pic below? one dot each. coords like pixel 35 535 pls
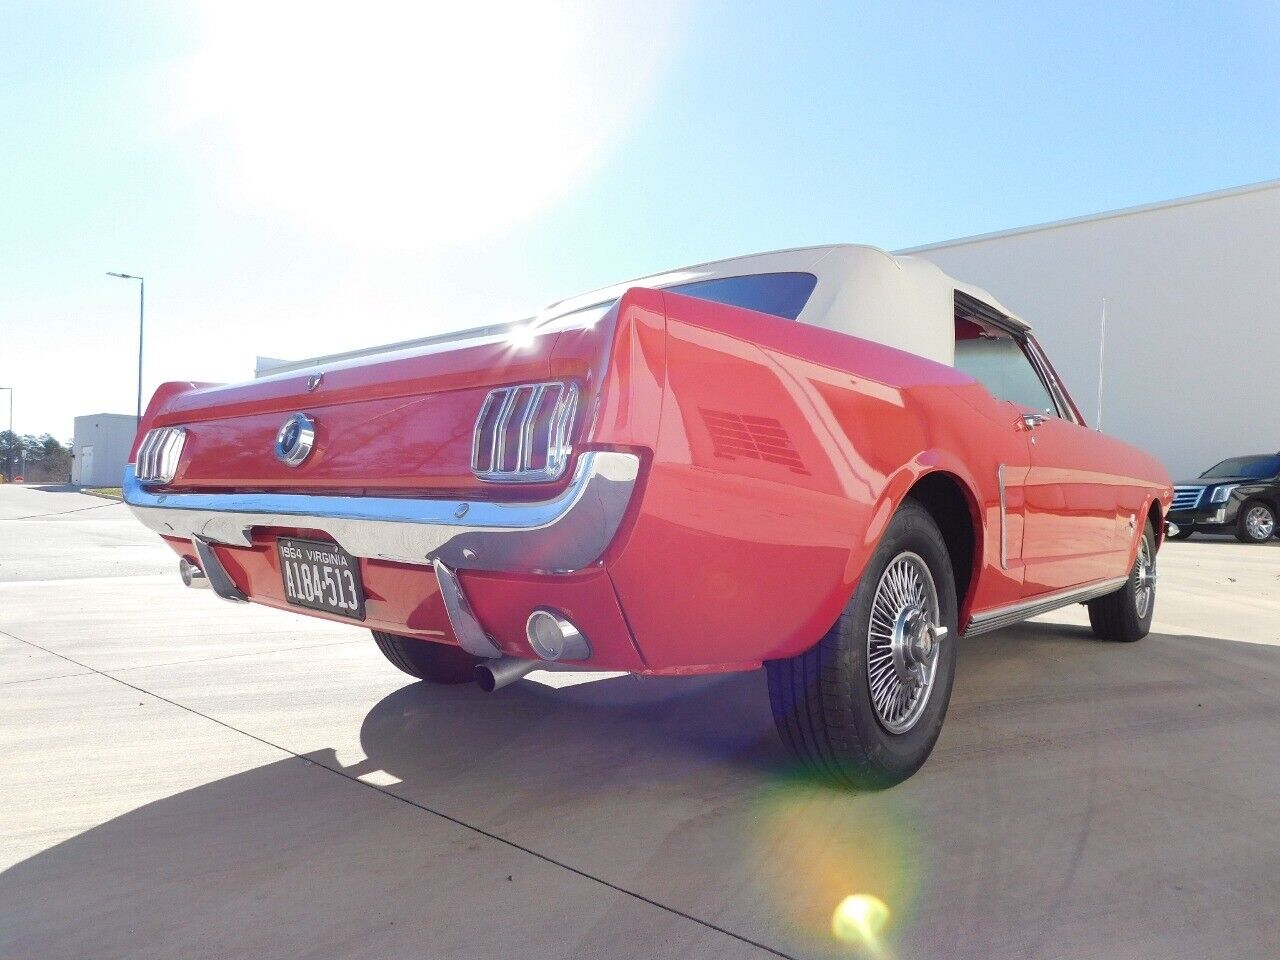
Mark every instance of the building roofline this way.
pixel 1093 217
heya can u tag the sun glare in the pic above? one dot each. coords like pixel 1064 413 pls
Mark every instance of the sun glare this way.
pixel 858 920
pixel 414 123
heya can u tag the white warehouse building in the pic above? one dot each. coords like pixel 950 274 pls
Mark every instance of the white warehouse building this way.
pixel 100 447
pixel 1192 291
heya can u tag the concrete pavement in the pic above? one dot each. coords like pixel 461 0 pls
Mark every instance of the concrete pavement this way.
pixel 188 778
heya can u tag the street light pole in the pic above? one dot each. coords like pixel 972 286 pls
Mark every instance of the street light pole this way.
pixel 12 435
pixel 142 299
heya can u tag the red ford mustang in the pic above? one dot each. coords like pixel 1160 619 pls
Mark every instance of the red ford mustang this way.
pixel 830 462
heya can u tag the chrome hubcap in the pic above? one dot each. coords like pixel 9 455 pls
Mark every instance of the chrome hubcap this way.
pixel 1144 579
pixel 902 643
pixel 1260 523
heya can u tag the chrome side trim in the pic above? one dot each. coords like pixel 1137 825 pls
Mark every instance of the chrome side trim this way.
pixel 216 574
pixel 989 620
pixel 564 533
pixel 466 627
pixel 1004 523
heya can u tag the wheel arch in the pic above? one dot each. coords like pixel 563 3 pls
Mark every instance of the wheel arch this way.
pixel 1156 517
pixel 954 507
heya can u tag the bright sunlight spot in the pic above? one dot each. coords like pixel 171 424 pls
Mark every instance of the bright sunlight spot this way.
pixel 414 124
pixel 859 919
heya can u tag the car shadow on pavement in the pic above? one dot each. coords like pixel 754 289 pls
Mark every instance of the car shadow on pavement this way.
pixel 1086 798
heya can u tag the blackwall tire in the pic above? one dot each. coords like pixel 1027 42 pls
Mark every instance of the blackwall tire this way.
pixel 822 699
pixel 1256 522
pixel 1122 615
pixel 433 662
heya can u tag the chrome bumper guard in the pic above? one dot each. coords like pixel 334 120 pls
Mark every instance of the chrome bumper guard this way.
pixel 564 533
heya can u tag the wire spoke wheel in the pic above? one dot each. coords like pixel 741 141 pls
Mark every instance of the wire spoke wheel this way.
pixel 903 637
pixel 1144 578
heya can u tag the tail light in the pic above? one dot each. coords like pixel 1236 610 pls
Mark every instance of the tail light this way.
pixel 159 453
pixel 523 433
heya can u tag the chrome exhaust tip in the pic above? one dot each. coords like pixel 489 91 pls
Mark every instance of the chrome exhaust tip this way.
pixel 492 675
pixel 192 575
pixel 553 636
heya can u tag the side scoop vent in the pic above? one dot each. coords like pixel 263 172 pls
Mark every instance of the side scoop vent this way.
pixel 740 436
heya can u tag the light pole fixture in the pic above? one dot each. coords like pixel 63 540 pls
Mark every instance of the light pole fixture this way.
pixel 142 299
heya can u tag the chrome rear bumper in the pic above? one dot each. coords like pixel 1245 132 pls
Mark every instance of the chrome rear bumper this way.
pixel 564 533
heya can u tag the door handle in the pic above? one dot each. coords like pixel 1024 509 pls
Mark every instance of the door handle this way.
pixel 1032 420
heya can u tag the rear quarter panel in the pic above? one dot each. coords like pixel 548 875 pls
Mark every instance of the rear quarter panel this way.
pixel 782 451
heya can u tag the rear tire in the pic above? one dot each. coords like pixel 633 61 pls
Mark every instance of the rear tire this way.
pixel 1125 615
pixel 433 662
pixel 822 699
pixel 1257 522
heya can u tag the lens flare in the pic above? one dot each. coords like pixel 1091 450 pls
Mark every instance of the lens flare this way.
pixel 521 337
pixel 858 920
pixel 855 863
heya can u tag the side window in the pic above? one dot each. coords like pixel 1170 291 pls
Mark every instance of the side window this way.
pixel 997 360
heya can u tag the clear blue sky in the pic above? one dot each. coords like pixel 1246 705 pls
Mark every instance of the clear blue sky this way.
pixel 297 179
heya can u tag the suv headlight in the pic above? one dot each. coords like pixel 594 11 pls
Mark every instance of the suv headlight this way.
pixel 1222 494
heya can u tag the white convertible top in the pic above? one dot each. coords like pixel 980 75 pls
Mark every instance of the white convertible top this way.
pixel 903 302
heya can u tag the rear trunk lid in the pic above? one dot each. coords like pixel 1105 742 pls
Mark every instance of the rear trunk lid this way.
pixel 400 421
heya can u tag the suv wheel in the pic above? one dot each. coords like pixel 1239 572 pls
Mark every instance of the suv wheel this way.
pixel 1257 523
pixel 864 706
pixel 433 662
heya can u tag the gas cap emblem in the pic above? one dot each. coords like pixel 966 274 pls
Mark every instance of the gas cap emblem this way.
pixel 294 439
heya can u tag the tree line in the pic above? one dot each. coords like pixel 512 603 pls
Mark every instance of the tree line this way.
pixel 37 459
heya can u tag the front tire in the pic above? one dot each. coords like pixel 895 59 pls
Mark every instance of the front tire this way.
pixel 864 707
pixel 1257 522
pixel 1125 615
pixel 433 662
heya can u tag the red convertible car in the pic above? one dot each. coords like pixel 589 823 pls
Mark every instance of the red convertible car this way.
pixel 829 462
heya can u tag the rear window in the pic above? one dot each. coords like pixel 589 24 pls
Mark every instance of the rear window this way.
pixel 780 294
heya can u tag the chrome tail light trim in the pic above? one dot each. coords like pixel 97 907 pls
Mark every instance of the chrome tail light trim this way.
pixel 507 444
pixel 159 455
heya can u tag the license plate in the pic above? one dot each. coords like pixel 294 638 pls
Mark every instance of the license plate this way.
pixel 321 576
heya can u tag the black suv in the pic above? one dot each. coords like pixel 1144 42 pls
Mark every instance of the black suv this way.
pixel 1240 496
